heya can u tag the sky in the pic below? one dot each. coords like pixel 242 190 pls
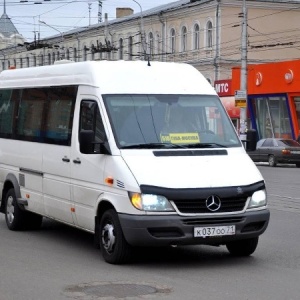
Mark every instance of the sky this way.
pixel 64 15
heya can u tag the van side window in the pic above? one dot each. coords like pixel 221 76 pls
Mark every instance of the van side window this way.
pixel 30 114
pixel 90 119
pixel 42 115
pixel 8 104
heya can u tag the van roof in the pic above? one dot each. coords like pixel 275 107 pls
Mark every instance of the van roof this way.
pixel 113 77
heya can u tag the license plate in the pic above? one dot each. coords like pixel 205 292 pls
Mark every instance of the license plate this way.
pixel 295 152
pixel 214 231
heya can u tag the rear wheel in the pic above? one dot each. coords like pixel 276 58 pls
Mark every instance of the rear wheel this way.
pixel 242 247
pixel 298 165
pixel 14 216
pixel 114 247
pixel 18 219
pixel 272 161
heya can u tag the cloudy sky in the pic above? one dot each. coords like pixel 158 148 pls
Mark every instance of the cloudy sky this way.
pixel 65 15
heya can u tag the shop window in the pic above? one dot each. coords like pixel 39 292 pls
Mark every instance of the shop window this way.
pixel 271 116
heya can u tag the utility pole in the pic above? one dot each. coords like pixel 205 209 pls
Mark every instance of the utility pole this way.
pixel 99 11
pixel 89 5
pixel 243 82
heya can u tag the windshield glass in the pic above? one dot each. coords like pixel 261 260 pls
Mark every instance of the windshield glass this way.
pixel 162 120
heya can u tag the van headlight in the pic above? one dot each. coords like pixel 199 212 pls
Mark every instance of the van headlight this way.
pixel 259 198
pixel 149 202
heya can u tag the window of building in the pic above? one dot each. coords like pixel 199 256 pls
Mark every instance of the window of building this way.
pixel 196 37
pixel 151 44
pixel 68 53
pixel 183 39
pixel 272 116
pixel 75 54
pixel 93 51
pixel 49 59
pixel 27 62
pixel 85 51
pixel 34 60
pixel 130 47
pixel 209 34
pixel 41 63
pixel 121 48
pixel 173 40
pixel 158 47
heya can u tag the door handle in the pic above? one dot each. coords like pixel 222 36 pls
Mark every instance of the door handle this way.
pixel 77 161
pixel 65 159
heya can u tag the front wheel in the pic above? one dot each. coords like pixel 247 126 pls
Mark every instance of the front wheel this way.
pixel 272 161
pixel 242 247
pixel 114 247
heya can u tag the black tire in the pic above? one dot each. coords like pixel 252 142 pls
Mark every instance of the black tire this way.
pixel 298 165
pixel 242 247
pixel 15 218
pixel 114 247
pixel 18 219
pixel 272 161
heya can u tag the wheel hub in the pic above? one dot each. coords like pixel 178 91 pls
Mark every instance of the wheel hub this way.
pixel 108 237
pixel 10 209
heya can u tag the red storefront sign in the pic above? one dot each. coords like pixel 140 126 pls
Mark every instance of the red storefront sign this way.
pixel 223 87
pixel 224 90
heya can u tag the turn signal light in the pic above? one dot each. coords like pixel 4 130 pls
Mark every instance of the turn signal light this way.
pixel 285 151
pixel 109 180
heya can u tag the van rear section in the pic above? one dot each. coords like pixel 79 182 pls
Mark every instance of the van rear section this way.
pixel 132 152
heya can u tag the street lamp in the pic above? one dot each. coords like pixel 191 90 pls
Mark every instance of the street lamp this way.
pixel 62 37
pixel 142 30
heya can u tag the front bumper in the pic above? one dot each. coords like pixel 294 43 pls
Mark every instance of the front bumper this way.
pixel 165 230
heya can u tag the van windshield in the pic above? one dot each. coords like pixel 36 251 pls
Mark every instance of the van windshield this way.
pixel 158 121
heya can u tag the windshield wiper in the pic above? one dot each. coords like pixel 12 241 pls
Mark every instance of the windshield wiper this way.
pixel 153 146
pixel 205 145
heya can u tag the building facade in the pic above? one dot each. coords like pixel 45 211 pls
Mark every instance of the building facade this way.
pixel 206 34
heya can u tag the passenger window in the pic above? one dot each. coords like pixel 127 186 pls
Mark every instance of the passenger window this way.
pixel 90 119
pixel 30 114
pixel 8 104
pixel 43 115
pixel 60 110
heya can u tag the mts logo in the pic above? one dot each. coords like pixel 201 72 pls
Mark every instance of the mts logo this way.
pixel 223 87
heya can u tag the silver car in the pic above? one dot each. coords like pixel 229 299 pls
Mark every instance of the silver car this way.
pixel 277 150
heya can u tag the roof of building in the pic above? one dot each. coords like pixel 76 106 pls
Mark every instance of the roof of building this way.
pixel 156 10
pixel 7 28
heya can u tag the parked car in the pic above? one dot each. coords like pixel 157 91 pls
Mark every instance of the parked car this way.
pixel 276 150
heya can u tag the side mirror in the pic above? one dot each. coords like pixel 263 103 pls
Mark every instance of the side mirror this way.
pixel 86 141
pixel 251 140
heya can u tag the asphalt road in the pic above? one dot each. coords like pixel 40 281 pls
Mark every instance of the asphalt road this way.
pixel 59 262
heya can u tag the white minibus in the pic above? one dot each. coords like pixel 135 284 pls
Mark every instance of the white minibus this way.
pixel 140 154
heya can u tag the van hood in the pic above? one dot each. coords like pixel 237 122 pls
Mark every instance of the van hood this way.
pixel 234 169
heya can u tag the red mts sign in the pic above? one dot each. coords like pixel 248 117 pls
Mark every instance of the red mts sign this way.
pixel 223 87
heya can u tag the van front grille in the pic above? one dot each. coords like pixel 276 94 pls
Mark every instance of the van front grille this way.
pixel 198 206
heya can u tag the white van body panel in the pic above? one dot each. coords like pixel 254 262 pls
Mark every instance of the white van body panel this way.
pixel 155 193
pixel 234 169
pixel 110 77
